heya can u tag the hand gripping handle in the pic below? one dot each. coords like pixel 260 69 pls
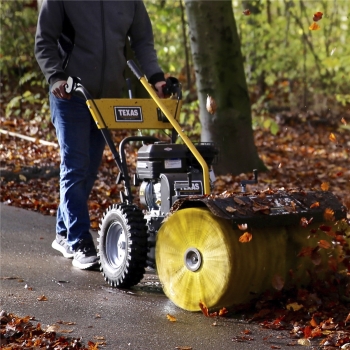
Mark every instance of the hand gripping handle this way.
pixel 135 69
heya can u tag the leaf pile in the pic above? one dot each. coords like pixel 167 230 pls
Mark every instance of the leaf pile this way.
pixel 20 333
pixel 303 155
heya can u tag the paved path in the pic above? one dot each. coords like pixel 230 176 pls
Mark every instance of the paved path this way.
pixel 133 319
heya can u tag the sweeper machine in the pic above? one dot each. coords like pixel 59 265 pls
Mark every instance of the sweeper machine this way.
pixel 188 234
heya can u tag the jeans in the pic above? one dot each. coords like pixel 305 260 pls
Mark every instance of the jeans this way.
pixel 81 148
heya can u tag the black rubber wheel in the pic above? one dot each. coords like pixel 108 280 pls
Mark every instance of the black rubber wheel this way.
pixel 122 245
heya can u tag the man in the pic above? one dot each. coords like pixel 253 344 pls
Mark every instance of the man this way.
pixel 87 39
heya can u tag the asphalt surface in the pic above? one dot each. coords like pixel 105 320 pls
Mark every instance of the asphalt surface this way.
pixel 123 319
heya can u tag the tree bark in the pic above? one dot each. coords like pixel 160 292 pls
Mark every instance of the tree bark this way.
pixel 220 73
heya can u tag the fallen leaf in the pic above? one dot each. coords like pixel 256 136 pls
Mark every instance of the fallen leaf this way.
pixel 66 323
pixel 92 345
pixel 315 205
pixel 325 228
pixel 99 337
pixel 316 257
pixel 204 309
pixel 66 331
pixel 184 348
pixel 324 244
pixel 314 26
pixel 317 16
pixel 325 186
pixel 294 306
pixel 52 328
pixel 313 323
pixel 22 177
pixel 171 318
pixel 246 237
pixel 239 201
pixel 304 222
pixel 277 282
pixel 243 227
pixel 211 105
pixel 332 137
pixel 223 311
pixel 329 214
pixel 305 342
pixel 230 209
pixel 42 298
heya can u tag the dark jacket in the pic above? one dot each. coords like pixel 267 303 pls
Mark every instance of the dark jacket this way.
pixel 98 30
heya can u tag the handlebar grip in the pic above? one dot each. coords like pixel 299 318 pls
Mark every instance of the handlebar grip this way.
pixel 71 85
pixel 135 69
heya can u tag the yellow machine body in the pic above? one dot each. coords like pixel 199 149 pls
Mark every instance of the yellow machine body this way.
pixel 132 113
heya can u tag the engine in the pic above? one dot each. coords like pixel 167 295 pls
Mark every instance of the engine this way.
pixel 168 172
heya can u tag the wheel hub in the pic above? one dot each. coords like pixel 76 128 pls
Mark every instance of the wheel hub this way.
pixel 115 245
pixel 193 259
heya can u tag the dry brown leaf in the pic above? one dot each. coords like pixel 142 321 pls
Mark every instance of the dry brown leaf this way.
pixel 171 318
pixel 243 227
pixel 230 209
pixel 223 311
pixel 315 205
pixel 316 257
pixel 211 105
pixel 332 137
pixel 304 222
pixel 68 323
pixel 92 345
pixel 239 201
pixel 52 328
pixel 246 237
pixel 324 244
pixel 317 16
pixel 42 298
pixel 329 214
pixel 277 282
pixel 66 331
pixel 314 26
pixel 325 186
pixel 99 337
pixel 204 309
pixel 305 342
pixel 184 348
pixel 313 323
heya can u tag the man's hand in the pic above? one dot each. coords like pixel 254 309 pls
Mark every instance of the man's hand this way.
pixel 58 89
pixel 159 88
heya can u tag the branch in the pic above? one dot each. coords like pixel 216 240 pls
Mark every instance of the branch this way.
pixel 28 138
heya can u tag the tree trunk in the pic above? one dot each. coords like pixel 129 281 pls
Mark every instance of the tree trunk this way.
pixel 220 73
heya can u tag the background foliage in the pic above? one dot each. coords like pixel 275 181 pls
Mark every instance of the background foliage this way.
pixel 289 68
